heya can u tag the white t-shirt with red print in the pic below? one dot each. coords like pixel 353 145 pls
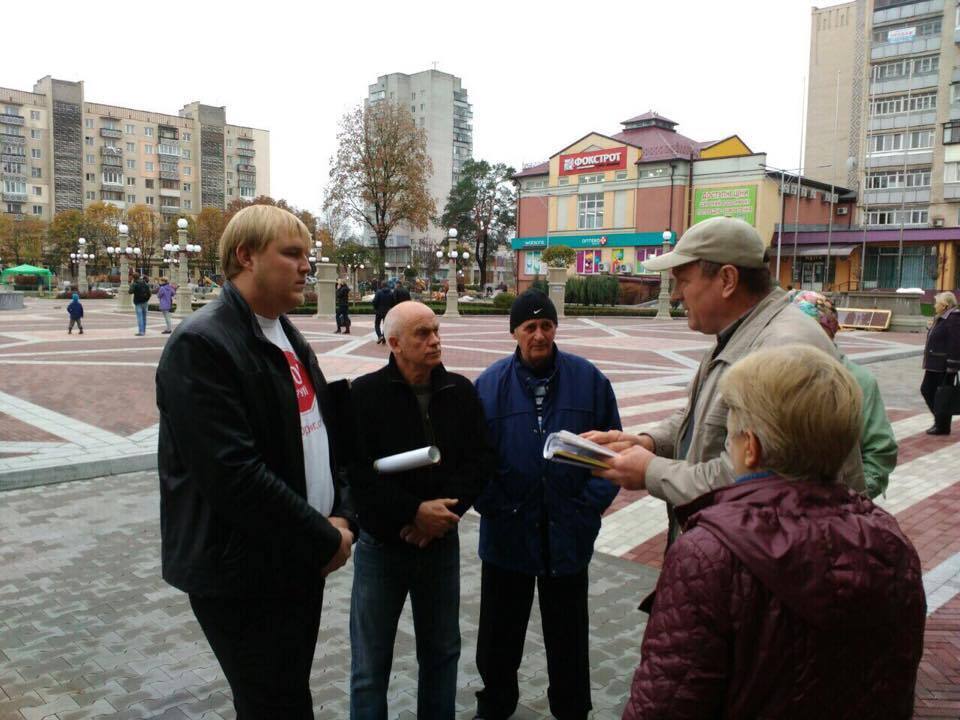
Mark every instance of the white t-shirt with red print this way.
pixel 316 444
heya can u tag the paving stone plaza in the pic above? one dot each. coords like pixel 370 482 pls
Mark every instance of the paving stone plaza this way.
pixel 88 629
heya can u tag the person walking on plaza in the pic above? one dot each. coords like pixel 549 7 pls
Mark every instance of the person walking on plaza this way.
pixel 251 518
pixel 409 544
pixel 140 289
pixel 75 311
pixel 941 356
pixel 722 278
pixel 539 519
pixel 400 293
pixel 343 306
pixel 165 294
pixel 787 596
pixel 382 302
pixel 878 444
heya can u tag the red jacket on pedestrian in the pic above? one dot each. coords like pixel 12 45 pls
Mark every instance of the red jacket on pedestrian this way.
pixel 783 599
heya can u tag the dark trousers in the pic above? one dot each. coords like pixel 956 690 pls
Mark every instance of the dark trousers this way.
pixel 377 319
pixel 506 599
pixel 928 388
pixel 265 648
pixel 75 321
pixel 343 317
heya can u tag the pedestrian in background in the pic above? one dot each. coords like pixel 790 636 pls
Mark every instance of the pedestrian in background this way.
pixel 382 302
pixel 878 444
pixel 165 293
pixel 343 306
pixel 140 289
pixel 787 596
pixel 941 356
pixel 75 311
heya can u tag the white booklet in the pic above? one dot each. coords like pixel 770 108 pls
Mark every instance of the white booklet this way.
pixel 566 447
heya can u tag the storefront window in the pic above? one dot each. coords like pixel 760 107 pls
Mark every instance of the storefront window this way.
pixel 588 261
pixel 919 268
pixel 531 262
pixel 590 211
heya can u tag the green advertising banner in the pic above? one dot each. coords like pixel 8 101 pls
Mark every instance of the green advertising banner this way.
pixel 739 202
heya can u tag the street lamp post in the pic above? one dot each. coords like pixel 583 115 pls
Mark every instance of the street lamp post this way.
pixel 325 274
pixel 184 295
pixel 452 309
pixel 122 252
pixel 663 299
pixel 81 256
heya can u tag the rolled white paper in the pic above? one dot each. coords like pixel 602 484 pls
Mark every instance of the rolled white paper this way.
pixel 410 460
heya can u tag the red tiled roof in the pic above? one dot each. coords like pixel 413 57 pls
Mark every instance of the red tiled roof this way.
pixel 541 169
pixel 649 115
pixel 660 144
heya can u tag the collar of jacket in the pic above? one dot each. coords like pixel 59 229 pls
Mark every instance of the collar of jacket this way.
pixel 439 377
pixel 232 298
pixel 525 374
pixel 752 325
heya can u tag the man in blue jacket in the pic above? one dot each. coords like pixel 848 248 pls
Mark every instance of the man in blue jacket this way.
pixel 539 519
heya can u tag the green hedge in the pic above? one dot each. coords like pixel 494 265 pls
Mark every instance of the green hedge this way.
pixel 593 290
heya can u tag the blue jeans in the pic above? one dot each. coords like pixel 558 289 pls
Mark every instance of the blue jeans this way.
pixel 141 309
pixel 383 574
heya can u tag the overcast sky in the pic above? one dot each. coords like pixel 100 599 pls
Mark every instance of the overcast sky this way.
pixel 539 74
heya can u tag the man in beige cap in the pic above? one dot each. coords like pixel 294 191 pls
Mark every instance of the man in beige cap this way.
pixel 721 276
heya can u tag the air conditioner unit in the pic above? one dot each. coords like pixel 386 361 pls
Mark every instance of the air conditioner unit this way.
pixel 938 222
pixel 843 210
pixel 601 267
pixel 626 268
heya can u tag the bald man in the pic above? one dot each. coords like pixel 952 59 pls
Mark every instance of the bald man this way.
pixel 408 521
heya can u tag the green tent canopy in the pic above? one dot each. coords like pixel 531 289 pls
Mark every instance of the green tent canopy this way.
pixel 11 273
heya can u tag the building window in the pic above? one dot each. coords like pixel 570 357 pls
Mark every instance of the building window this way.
pixel 37 190
pixel 35 153
pixel 187 170
pixel 90 177
pixel 902 68
pixel 88 123
pixel 893 216
pixel 590 211
pixel 148 149
pixel 91 160
pixel 129 129
pixel 588 261
pixel 34 114
pixel 148 183
pixel 112 177
pixel 247 192
pixel 886 268
pixel 91 195
pixel 131 164
pixel 923 29
pixel 38 209
pixel 132 181
pixel 951 172
pixel 621 175
pixel 88 141
pixel 951 133
pixel 131 147
pixel 589 179
pixel 132 199
pixel 531 262
pixel 563 181
pixel 229 142
pixel 148 166
pixel 34 134
pixel 187 204
pixel 897 179
pixel 148 132
pixel 186 187
pixel 36 172
pixel 149 199
pixel 903 103
pixel 185 154
pixel 535 184
pixel 186 137
pixel 15 186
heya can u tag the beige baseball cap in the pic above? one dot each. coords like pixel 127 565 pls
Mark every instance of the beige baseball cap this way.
pixel 724 240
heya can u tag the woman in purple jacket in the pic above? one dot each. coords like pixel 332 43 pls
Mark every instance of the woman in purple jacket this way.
pixel 787 595
pixel 165 293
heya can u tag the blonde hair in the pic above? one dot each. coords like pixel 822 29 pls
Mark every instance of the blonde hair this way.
pixel 803 406
pixel 947 299
pixel 255 227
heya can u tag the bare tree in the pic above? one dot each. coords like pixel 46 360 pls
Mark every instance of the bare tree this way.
pixel 380 171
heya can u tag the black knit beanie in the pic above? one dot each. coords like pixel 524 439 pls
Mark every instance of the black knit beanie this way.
pixel 530 305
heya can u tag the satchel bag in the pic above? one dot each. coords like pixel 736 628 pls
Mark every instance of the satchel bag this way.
pixel 947 399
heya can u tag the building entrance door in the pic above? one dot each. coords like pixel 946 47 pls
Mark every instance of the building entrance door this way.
pixel 811 275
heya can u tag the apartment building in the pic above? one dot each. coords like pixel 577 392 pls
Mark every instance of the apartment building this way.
pixel 439 104
pixel 883 118
pixel 60 151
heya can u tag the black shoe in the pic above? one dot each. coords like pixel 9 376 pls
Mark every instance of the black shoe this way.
pixel 81 332
pixel 337 331
pixel 166 332
pixel 938 431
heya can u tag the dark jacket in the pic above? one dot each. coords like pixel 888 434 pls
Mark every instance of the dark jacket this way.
pixel 387 420
pixel 400 294
pixel 140 291
pixel 783 599
pixel 530 498
pixel 942 350
pixel 75 309
pixel 382 300
pixel 343 296
pixel 234 519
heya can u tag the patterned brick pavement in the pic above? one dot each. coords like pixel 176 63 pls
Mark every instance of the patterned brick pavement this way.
pixel 87 629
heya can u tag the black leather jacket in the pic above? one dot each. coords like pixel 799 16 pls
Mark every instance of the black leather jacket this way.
pixel 942 350
pixel 234 519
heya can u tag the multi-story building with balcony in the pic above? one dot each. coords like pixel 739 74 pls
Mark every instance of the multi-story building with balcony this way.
pixel 60 151
pixel 439 105
pixel 883 118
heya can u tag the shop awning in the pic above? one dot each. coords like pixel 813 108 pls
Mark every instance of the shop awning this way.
pixel 815 250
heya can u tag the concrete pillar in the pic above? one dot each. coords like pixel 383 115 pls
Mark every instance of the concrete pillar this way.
pixel 82 276
pixel 663 299
pixel 124 301
pixel 453 309
pixel 184 296
pixel 326 290
pixel 557 282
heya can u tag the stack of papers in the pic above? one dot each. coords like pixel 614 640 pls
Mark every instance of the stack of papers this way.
pixel 565 447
